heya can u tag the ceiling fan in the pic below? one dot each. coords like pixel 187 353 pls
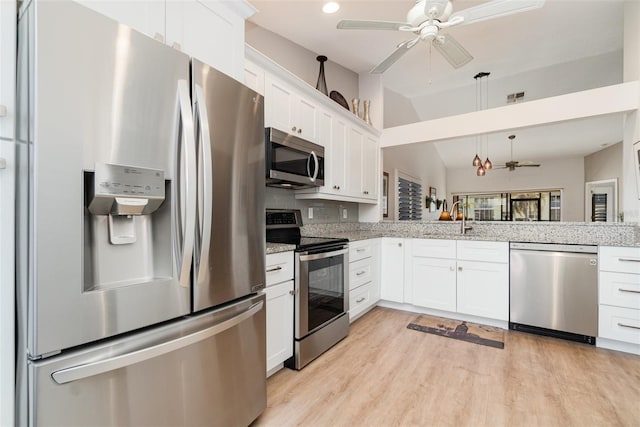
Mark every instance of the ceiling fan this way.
pixel 513 164
pixel 428 17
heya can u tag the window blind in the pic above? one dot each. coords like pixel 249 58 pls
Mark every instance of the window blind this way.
pixel 409 200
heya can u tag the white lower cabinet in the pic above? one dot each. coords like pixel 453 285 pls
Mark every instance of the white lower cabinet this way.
pixel 483 289
pixel 619 298
pixel 392 269
pixel 279 293
pixel 364 274
pixel 467 277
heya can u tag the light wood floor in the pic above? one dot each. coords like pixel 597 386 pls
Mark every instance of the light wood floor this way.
pixel 384 374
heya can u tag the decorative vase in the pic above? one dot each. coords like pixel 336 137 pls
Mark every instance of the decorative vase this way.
pixel 365 114
pixel 321 85
pixel 355 103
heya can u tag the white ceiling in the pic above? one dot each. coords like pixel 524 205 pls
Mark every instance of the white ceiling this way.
pixel 561 31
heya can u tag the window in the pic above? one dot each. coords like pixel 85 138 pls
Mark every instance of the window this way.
pixel 409 200
pixel 525 206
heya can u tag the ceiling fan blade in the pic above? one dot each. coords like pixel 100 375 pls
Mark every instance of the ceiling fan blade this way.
pixel 397 54
pixel 350 24
pixel 496 9
pixel 528 165
pixel 452 50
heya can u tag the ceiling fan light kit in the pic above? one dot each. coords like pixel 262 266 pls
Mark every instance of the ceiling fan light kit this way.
pixel 427 17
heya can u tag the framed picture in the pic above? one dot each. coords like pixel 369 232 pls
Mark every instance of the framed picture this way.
pixel 636 159
pixel 385 195
pixel 433 194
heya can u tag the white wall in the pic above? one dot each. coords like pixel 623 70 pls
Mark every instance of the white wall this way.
pixel 418 160
pixel 559 79
pixel 565 174
pixel 301 62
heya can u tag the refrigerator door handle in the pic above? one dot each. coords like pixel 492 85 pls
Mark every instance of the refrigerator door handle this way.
pixel 205 188
pixel 87 370
pixel 188 222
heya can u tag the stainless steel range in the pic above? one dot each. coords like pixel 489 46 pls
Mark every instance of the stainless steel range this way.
pixel 321 287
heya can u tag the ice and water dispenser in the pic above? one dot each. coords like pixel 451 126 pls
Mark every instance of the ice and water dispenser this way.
pixel 127 226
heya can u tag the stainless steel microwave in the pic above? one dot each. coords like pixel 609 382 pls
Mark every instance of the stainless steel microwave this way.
pixel 292 162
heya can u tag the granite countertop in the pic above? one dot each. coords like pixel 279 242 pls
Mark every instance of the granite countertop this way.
pixel 617 234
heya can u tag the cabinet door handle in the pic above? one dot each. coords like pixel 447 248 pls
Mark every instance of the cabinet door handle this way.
pixel 622 325
pixel 629 259
pixel 293 291
pixel 451 269
pixel 629 290
pixel 459 268
pixel 359 300
pixel 360 273
pixel 399 245
pixel 300 130
pixel 294 128
pixel 360 250
pixel 271 270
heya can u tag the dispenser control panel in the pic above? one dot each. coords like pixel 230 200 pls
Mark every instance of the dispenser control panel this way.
pixel 126 190
pixel 128 181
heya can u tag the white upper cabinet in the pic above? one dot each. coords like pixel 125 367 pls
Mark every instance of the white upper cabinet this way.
pixel 144 16
pixel 370 173
pixel 254 76
pixel 289 111
pixel 208 30
pixel 354 162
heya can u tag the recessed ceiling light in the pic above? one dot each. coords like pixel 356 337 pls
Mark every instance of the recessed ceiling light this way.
pixel 330 7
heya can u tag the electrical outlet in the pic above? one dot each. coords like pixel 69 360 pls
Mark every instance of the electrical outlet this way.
pixel 345 213
pixel 310 214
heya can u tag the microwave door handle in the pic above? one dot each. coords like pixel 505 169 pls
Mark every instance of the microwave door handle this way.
pixel 316 165
pixel 188 218
pixel 205 188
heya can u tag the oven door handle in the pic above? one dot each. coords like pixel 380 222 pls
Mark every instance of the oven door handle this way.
pixel 313 257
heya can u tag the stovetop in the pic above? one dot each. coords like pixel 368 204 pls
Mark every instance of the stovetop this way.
pixel 283 226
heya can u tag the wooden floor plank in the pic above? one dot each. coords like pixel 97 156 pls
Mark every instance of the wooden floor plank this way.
pixel 384 374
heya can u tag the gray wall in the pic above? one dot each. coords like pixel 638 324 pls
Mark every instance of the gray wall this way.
pixel 566 174
pixel 559 79
pixel 300 61
pixel 606 164
pixel 324 211
pixel 398 110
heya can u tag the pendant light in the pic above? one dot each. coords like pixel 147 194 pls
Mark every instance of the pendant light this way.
pixel 477 161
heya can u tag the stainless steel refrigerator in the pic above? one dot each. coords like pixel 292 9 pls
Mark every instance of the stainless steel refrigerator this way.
pixel 140 230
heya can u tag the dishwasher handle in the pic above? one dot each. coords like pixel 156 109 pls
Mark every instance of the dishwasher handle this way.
pixel 554 247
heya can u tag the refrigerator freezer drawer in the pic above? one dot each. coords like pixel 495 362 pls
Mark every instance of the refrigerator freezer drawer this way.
pixel 206 370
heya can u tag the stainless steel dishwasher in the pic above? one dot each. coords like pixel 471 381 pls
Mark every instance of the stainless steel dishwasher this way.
pixel 554 290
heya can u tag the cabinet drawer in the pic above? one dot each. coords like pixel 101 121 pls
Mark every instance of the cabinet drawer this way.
pixel 360 250
pixel 279 267
pixel 360 299
pixel 483 251
pixel 621 324
pixel 360 272
pixel 433 248
pixel 620 289
pixel 620 259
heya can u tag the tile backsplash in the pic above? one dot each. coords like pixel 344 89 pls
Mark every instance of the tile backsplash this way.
pixel 324 211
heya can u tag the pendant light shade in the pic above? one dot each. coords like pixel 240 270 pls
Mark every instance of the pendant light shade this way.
pixel 481 171
pixel 476 161
pixel 487 164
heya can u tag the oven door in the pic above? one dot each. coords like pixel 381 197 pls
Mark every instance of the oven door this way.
pixel 321 289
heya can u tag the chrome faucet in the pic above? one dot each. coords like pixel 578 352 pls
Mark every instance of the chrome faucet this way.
pixel 463 228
